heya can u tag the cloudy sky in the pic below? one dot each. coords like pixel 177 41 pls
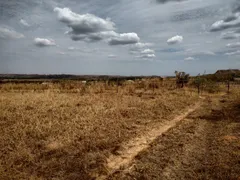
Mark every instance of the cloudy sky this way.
pixel 124 37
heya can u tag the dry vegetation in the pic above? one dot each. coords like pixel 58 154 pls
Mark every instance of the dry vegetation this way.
pixel 67 130
pixel 206 145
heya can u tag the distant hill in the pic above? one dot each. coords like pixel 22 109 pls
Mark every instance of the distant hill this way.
pixel 228 71
pixel 223 75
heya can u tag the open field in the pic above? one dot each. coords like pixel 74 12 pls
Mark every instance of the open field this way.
pixel 205 145
pixel 72 130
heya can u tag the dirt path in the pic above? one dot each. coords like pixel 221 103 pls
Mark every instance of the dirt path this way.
pixel 206 145
pixel 132 148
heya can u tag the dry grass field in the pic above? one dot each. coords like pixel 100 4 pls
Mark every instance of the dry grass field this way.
pixel 206 145
pixel 68 130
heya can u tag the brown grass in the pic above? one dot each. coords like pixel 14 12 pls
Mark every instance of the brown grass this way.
pixel 203 146
pixel 66 130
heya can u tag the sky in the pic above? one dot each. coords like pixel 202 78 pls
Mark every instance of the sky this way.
pixel 124 37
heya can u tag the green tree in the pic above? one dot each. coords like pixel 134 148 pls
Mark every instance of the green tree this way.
pixel 181 78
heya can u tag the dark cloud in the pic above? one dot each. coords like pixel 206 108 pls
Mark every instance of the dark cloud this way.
pixel 236 7
pixel 230 18
pixel 87 38
pixel 232 21
pixel 195 14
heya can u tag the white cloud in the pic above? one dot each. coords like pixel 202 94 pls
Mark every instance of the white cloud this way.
pixel 138 47
pixel 90 28
pixel 24 23
pixel 233 45
pixel 230 22
pixel 112 56
pixel 189 59
pixel 10 34
pixel 82 24
pixel 233 53
pixel 221 25
pixel 175 40
pixel 124 39
pixel 44 42
pixel 147 56
pixel 147 51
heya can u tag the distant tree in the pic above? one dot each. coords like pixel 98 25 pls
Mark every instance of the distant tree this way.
pixel 181 78
pixel 199 82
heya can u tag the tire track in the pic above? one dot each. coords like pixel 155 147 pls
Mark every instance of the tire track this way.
pixel 132 148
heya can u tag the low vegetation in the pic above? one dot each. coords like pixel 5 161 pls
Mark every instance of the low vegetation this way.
pixel 67 129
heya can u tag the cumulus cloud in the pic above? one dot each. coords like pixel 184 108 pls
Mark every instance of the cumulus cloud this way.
pixel 83 24
pixel 124 39
pixel 233 45
pixel 175 40
pixel 145 54
pixel 189 59
pixel 24 23
pixel 41 42
pixel 10 34
pixel 90 28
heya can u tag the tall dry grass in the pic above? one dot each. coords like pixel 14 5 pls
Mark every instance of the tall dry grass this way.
pixel 66 131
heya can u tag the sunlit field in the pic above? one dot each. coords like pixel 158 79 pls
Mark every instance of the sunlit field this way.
pixel 67 130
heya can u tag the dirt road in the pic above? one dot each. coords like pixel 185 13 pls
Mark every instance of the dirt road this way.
pixel 202 143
